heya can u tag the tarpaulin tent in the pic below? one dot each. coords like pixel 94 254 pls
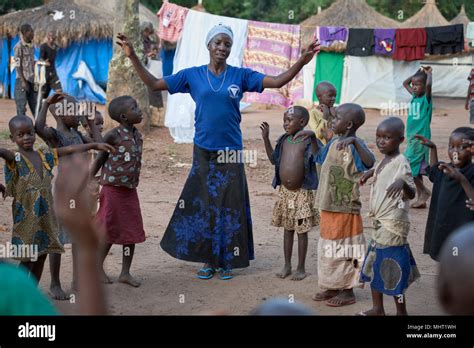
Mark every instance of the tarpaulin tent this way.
pixel 84 36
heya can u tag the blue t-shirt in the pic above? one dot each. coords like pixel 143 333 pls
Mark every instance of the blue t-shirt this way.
pixel 217 117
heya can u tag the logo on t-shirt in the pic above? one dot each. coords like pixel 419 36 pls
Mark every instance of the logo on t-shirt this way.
pixel 234 91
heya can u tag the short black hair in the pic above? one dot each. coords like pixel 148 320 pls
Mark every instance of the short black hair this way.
pixel 420 74
pixel 466 131
pixel 16 120
pixel 116 106
pixel 394 124
pixel 25 28
pixel 299 111
pixel 323 86
pixel 355 112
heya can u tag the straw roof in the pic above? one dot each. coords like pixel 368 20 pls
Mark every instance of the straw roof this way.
pixel 70 22
pixel 461 18
pixel 428 16
pixel 92 20
pixel 348 13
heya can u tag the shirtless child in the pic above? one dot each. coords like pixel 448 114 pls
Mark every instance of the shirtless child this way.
pixel 295 173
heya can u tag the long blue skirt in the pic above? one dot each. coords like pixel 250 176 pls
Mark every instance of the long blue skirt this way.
pixel 211 222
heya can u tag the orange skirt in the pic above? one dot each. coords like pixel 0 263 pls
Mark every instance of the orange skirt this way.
pixel 339 225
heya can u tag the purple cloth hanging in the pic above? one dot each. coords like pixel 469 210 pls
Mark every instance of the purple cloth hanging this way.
pixel 384 41
pixel 327 35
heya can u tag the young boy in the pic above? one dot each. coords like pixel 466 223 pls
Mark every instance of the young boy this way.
pixel 48 52
pixel 389 264
pixel 418 122
pixel 119 212
pixel 320 117
pixel 295 173
pixel 28 177
pixel 340 248
pixel 24 55
pixel 452 186
pixel 65 134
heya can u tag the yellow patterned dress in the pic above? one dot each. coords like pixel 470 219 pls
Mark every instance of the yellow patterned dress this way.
pixel 34 221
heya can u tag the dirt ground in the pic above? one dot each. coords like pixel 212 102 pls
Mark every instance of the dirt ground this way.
pixel 170 287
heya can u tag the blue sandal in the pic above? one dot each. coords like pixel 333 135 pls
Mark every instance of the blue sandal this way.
pixel 225 274
pixel 206 273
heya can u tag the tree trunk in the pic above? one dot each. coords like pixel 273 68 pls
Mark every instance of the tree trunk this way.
pixel 123 80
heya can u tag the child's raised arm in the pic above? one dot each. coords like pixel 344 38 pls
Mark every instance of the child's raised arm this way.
pixel 149 80
pixel 110 138
pixel 69 150
pixel 429 81
pixel 433 150
pixel 266 139
pixel 47 133
pixel 7 155
pixel 308 134
pixel 366 156
pixel 459 177
pixel 407 85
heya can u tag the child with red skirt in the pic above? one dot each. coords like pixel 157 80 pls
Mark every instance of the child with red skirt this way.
pixel 119 213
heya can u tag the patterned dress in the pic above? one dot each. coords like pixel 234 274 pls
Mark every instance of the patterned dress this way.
pixel 34 221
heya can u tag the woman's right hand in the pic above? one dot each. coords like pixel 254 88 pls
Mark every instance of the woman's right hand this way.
pixel 127 48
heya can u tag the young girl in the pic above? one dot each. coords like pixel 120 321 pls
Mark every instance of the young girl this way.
pixel 63 107
pixel 28 176
pixel 389 263
pixel 295 173
pixel 418 122
pixel 452 185
pixel 119 212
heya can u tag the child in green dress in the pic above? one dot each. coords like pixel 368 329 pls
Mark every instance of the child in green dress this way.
pixel 418 122
pixel 28 176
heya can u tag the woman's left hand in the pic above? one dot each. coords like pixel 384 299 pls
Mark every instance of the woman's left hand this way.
pixel 310 51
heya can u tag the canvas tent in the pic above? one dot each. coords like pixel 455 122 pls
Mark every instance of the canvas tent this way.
pixel 84 34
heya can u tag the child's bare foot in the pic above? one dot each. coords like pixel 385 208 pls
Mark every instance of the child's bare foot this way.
pixel 285 272
pixel 128 279
pixel 57 293
pixel 325 295
pixel 344 298
pixel 422 199
pixel 104 278
pixel 372 312
pixel 300 274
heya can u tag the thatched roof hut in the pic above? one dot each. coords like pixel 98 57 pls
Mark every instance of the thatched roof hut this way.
pixel 70 22
pixel 78 20
pixel 348 13
pixel 428 16
pixel 461 18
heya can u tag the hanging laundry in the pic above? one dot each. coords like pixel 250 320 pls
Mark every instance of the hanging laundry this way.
pixel 384 41
pixel 445 40
pixel 470 33
pixel 172 19
pixel 272 49
pixel 334 38
pixel 360 42
pixel 410 44
pixel 329 67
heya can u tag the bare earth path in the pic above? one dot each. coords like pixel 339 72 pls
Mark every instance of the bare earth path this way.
pixel 170 286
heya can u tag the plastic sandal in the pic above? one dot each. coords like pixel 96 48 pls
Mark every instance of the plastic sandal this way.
pixel 208 273
pixel 225 274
